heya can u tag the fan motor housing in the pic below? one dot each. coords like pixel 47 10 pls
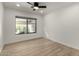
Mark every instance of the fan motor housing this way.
pixel 36 4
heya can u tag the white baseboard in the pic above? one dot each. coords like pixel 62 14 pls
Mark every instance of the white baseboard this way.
pixel 12 42
pixel 68 45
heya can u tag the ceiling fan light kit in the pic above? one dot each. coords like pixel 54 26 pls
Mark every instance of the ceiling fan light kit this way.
pixel 35 5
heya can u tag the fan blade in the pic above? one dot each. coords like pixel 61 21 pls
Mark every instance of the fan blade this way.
pixel 30 3
pixel 42 6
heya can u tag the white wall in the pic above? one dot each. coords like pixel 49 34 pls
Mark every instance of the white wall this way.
pixel 1 26
pixel 10 26
pixel 62 26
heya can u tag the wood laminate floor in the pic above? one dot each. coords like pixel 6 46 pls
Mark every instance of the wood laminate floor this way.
pixel 38 47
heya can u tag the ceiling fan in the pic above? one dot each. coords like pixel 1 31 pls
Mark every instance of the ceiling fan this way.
pixel 36 5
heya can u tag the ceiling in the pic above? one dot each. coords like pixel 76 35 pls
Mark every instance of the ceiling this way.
pixel 51 6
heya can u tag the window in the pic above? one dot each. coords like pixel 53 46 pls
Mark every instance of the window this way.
pixel 31 26
pixel 25 25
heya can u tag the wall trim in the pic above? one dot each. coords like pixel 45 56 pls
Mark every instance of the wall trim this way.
pixel 63 43
pixel 22 41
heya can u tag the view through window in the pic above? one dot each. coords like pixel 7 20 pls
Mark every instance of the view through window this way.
pixel 25 25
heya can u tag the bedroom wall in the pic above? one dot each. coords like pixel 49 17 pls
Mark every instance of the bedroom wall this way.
pixel 62 26
pixel 10 26
pixel 1 26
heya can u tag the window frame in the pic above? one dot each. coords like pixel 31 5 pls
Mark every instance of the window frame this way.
pixel 27 18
